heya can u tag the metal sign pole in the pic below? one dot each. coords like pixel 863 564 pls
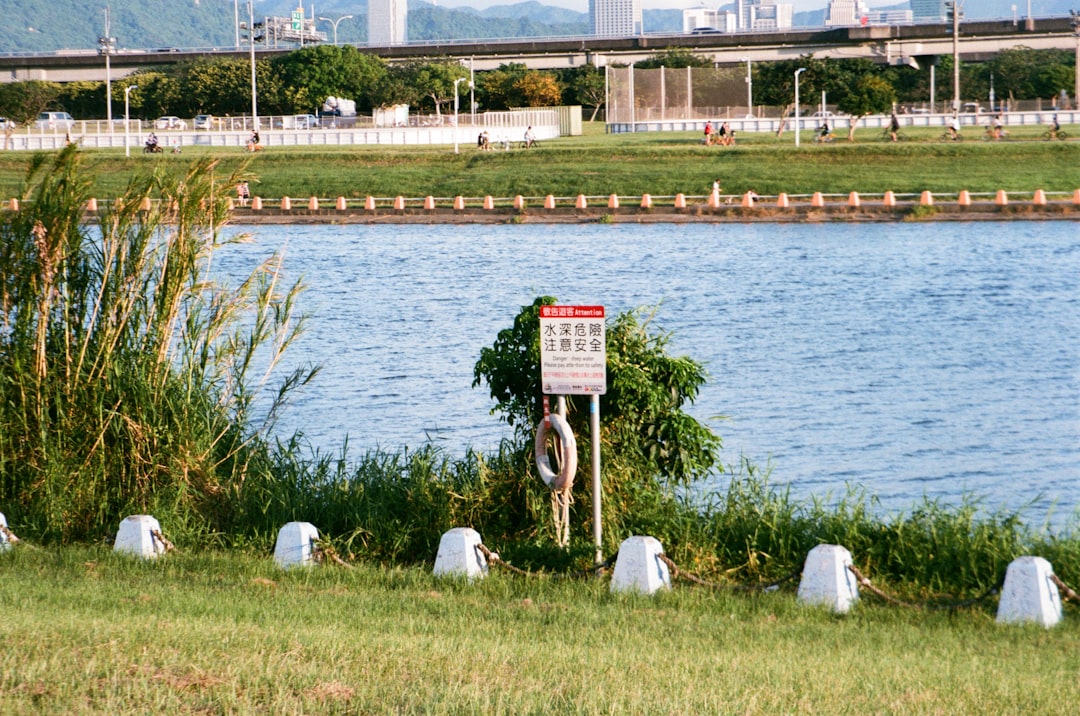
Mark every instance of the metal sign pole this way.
pixel 594 426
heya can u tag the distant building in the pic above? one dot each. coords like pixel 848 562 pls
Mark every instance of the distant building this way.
pixel 891 17
pixel 847 13
pixel 929 10
pixel 703 19
pixel 386 22
pixel 762 15
pixel 615 18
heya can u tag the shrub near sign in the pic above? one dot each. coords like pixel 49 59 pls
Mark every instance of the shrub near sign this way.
pixel 573 351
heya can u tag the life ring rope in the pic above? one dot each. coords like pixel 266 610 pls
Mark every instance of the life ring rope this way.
pixel 565 477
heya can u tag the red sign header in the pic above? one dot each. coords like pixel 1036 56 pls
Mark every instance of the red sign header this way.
pixel 571 312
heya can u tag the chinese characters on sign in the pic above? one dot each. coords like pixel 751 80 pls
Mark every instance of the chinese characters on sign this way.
pixel 573 350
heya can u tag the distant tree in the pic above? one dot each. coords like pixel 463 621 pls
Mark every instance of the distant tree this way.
pixel 589 88
pixel 673 57
pixel 23 101
pixel 498 89
pixel 540 89
pixel 395 87
pixel 869 95
pixel 86 99
pixel 434 82
pixel 325 71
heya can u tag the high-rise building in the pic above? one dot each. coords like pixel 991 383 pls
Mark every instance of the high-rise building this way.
pixel 847 13
pixel 763 15
pixel 615 18
pixel 386 22
pixel 929 10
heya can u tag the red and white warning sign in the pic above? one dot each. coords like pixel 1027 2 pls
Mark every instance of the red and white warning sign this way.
pixel 573 350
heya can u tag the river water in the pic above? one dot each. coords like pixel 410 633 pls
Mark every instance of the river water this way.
pixel 932 359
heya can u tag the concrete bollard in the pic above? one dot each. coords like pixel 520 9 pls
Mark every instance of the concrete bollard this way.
pixel 853 200
pixel 91 204
pixel 581 203
pixel 680 201
pixel 519 202
pixel 459 556
pixel 313 204
pixel 137 536
pixel 964 198
pixel 296 545
pixel 748 200
pixel 459 203
pixel 889 200
pixel 145 204
pixel 1076 197
pixel 926 199
pixel 256 203
pixel 1029 594
pixel 429 203
pixel 5 543
pixel 826 579
pixel 1001 198
pixel 646 201
pixel 549 202
pixel 13 204
pixel 369 203
pixel 489 203
pixel 341 204
pixel 286 203
pixel 1040 198
pixel 782 201
pixel 817 200
pixel 638 568
pixel 613 201
pixel 399 203
pixel 229 204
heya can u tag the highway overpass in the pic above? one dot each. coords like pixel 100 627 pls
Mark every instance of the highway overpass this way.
pixel 892 44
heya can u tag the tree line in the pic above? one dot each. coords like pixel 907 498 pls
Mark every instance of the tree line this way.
pixel 300 82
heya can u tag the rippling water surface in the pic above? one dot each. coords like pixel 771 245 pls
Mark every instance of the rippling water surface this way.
pixel 910 359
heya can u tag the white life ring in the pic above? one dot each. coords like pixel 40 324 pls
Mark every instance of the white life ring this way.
pixel 565 478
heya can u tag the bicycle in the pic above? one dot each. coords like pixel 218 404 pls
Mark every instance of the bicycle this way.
pixel 1050 134
pixel 948 136
pixel 886 136
pixel 993 134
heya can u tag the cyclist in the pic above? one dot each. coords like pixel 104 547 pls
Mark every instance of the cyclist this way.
pixel 954 128
pixel 894 127
pixel 824 133
pixel 1055 128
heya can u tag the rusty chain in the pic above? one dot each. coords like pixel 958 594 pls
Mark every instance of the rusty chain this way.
pixel 1069 593
pixel 676 572
pixel 960 604
pixel 9 536
pixel 156 534
pixel 495 559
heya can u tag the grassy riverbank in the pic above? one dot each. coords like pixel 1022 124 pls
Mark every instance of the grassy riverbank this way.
pixel 661 164
pixel 88 632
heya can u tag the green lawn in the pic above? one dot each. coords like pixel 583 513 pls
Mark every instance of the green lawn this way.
pixel 88 632
pixel 598 164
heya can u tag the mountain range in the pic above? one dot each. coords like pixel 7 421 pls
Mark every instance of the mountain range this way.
pixel 36 26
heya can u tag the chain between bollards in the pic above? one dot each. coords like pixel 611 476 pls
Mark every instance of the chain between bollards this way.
pixel 9 535
pixel 495 559
pixel 867 584
pixel 1069 593
pixel 325 552
pixel 676 572
pixel 156 534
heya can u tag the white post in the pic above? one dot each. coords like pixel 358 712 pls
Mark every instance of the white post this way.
pixel 749 91
pixel 797 73
pixel 456 83
pixel 236 22
pixel 251 45
pixel 594 425
pixel 127 95
pixel 472 91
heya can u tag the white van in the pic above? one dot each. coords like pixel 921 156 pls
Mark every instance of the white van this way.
pixel 55 120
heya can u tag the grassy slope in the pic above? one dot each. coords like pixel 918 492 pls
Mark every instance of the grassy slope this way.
pixel 87 632
pixel 629 165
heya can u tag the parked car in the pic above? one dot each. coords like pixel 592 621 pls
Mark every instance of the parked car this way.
pixel 204 121
pixel 170 123
pixel 305 121
pixel 55 121
pixel 6 123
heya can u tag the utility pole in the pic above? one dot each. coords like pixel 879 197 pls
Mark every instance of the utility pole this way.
pixel 956 10
pixel 1076 31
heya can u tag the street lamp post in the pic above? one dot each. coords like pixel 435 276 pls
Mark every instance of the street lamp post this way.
pixel 749 89
pixel 797 73
pixel 334 22
pixel 106 46
pixel 127 95
pixel 458 81
pixel 251 49
pixel 1076 31
pixel 955 10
